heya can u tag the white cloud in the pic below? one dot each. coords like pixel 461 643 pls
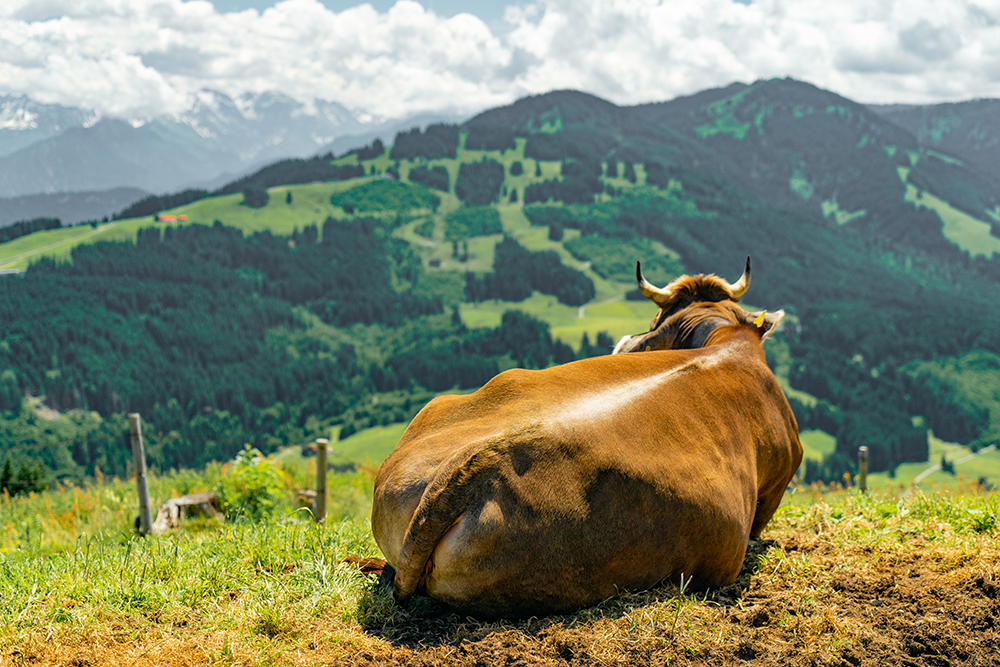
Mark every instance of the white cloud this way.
pixel 136 58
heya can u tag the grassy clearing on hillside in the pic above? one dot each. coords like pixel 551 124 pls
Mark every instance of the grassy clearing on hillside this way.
pixel 830 207
pixel 725 121
pixel 607 312
pixel 816 444
pixel 959 227
pixel 370 446
pixel 969 467
pixel 310 206
pixel 615 319
pixel 536 239
pixel 975 377
pixel 59 243
pixel 840 578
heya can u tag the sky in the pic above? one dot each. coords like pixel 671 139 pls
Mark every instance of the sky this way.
pixel 395 58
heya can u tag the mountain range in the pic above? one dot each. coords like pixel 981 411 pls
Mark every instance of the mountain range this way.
pixel 52 149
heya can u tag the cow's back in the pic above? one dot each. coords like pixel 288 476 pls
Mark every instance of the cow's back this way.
pixel 569 484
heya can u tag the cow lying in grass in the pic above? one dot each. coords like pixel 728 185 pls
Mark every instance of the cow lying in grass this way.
pixel 547 491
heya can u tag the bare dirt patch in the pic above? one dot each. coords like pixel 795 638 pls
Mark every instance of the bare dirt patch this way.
pixel 919 608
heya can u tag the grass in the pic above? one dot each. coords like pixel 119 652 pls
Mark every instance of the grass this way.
pixel 615 319
pixel 830 207
pixel 841 576
pixel 608 312
pixel 620 182
pixel 310 206
pixel 816 444
pixel 969 467
pixel 984 465
pixel 725 121
pixel 960 228
pixel 975 377
pixel 370 446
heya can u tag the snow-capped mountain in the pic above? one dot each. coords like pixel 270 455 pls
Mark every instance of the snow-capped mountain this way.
pixel 51 148
pixel 263 126
pixel 24 121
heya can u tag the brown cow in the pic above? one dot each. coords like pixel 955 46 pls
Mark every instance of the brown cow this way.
pixel 547 491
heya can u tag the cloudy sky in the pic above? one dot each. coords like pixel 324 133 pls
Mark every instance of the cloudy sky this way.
pixel 139 58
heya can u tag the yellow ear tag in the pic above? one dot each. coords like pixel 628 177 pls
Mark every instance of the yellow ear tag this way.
pixel 759 322
pixel 648 348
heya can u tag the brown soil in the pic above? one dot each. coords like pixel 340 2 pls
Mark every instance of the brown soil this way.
pixel 912 609
pixel 811 603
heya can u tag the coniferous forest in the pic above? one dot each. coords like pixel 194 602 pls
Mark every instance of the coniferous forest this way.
pixel 199 329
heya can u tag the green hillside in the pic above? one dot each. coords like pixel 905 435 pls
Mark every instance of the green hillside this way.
pixel 341 306
pixel 964 130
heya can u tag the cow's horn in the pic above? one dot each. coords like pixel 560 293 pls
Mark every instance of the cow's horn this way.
pixel 739 288
pixel 654 294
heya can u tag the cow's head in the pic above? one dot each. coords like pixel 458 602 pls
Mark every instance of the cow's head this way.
pixel 691 309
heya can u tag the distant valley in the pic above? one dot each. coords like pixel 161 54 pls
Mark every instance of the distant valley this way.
pixel 69 207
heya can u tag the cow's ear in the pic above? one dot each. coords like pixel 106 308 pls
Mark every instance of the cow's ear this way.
pixel 765 323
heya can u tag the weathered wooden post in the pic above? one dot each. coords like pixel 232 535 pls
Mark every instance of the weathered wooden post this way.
pixel 139 457
pixel 863 468
pixel 321 479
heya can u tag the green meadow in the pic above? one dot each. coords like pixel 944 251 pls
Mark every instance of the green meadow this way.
pixel 310 206
pixel 959 227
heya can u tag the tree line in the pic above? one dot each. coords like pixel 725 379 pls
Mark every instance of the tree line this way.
pixel 25 227
pixel 517 272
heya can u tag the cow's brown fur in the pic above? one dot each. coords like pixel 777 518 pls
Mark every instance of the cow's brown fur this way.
pixel 546 491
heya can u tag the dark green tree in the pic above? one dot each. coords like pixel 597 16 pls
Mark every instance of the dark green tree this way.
pixel 479 183
pixel 436 178
pixel 255 197
pixel 29 477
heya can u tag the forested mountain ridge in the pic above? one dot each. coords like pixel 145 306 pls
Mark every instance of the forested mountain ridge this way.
pixel 969 130
pixel 277 333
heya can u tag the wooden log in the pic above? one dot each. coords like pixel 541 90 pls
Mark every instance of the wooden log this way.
pixel 306 498
pixel 175 510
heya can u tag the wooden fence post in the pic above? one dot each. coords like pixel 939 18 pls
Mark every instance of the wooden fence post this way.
pixel 321 444
pixel 863 468
pixel 139 457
